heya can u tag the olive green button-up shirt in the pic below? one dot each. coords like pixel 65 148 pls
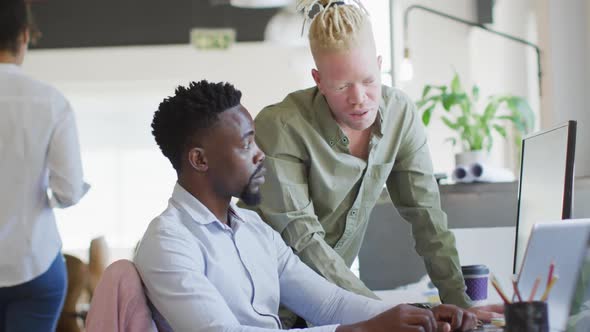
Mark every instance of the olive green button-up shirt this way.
pixel 319 197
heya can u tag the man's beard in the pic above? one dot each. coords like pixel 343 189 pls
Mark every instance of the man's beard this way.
pixel 251 198
pixel 248 196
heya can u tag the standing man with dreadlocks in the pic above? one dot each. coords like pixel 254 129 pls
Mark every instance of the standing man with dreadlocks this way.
pixel 331 148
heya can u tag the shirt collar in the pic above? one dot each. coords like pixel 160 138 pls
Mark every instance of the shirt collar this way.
pixel 197 210
pixel 330 129
pixel 378 127
pixel 9 67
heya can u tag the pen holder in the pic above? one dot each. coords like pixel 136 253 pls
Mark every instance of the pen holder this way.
pixel 526 317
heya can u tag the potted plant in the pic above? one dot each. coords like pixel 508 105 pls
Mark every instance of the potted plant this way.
pixel 474 129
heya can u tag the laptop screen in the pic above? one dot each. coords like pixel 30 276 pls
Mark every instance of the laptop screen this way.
pixel 579 318
pixel 565 245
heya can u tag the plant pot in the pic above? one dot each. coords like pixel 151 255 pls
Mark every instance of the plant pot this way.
pixel 470 157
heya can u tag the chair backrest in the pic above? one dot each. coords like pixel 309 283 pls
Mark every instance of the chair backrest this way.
pixel 119 303
pixel 78 279
pixel 98 260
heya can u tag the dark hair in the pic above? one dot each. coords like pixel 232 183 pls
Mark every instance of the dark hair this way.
pixel 13 21
pixel 188 113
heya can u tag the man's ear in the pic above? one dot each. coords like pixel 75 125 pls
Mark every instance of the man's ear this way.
pixel 316 77
pixel 198 160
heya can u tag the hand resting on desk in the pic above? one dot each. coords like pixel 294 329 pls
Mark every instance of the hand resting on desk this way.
pixel 485 313
pixel 407 318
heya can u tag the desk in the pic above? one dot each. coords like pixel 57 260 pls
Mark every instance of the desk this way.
pixel 405 295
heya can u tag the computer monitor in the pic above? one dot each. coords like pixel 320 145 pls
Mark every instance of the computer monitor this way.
pixel 546 182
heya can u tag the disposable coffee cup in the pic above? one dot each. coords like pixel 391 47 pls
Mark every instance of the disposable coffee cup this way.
pixel 526 317
pixel 476 281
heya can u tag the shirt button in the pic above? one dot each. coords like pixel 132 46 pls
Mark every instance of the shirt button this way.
pixel 345 140
pixel 353 212
pixel 331 143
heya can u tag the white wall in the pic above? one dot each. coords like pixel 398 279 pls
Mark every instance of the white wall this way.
pixel 439 47
pixel 265 73
pixel 565 32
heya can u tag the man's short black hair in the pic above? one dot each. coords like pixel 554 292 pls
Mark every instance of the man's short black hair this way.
pixel 188 113
pixel 13 21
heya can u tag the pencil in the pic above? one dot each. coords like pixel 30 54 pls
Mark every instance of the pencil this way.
pixel 534 290
pixel 498 289
pixel 548 289
pixel 551 271
pixel 515 286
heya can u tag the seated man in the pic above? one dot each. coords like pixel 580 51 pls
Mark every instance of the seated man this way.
pixel 208 265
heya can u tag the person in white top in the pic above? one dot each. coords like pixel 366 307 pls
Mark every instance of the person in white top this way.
pixel 208 265
pixel 39 152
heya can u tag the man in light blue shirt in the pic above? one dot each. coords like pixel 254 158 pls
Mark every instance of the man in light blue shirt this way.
pixel 208 265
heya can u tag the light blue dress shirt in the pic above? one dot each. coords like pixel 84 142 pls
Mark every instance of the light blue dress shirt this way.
pixel 203 275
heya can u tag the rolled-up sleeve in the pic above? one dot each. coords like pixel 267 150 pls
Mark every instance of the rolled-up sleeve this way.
pixel 317 300
pixel 66 178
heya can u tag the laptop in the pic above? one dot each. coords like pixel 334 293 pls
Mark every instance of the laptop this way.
pixel 565 243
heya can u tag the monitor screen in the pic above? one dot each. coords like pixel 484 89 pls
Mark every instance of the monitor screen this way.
pixel 546 182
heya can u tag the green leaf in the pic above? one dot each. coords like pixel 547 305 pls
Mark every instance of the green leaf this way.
pixel 501 130
pixel 421 103
pixel 426 90
pixel 447 101
pixel 475 92
pixel 490 110
pixel 521 113
pixel 466 105
pixel 463 122
pixel 526 112
pixel 427 114
pixel 451 99
pixel 450 123
pixel 442 88
pixel 456 84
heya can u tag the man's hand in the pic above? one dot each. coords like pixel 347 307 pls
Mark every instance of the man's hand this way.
pixel 401 318
pixel 485 313
pixel 457 318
